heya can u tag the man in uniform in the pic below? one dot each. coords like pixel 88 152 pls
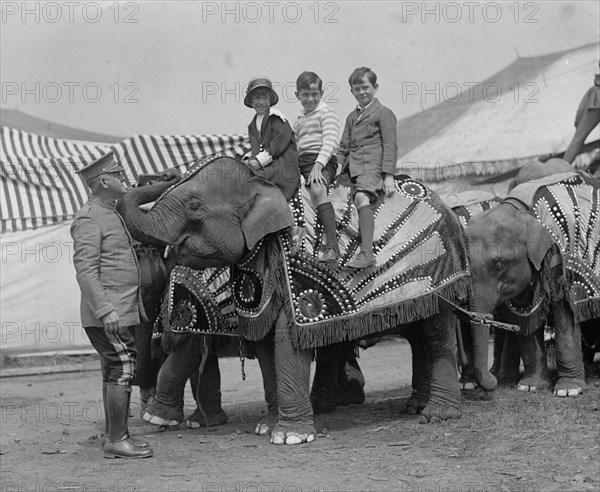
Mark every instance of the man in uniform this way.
pixel 111 302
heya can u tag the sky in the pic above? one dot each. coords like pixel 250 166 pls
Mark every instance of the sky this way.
pixel 181 67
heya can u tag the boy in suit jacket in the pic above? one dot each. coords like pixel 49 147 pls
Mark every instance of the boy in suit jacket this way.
pixel 368 152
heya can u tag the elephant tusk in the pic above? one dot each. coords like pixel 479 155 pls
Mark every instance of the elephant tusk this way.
pixel 168 249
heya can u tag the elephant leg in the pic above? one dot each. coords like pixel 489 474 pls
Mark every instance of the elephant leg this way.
pixel 440 342
pixel 295 424
pixel 533 353
pixel 509 359
pixel 167 408
pixel 498 349
pixel 421 370
pixel 147 368
pixel 324 392
pixel 265 352
pixel 351 382
pixel 209 411
pixel 569 358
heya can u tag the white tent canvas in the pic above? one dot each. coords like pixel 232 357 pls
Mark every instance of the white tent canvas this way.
pixel 524 111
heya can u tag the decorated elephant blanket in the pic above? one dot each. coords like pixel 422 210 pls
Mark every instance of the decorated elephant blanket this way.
pixel 568 207
pixel 420 251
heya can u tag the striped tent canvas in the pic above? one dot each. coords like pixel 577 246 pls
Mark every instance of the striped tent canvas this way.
pixel 39 182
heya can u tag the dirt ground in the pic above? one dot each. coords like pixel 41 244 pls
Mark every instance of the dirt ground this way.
pixel 507 440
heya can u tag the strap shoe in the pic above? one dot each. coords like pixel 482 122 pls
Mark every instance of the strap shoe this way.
pixel 330 255
pixel 362 260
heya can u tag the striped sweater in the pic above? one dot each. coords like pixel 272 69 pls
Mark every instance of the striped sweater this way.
pixel 318 133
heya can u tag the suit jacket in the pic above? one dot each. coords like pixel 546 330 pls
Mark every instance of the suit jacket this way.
pixel 369 141
pixel 277 138
pixel 106 266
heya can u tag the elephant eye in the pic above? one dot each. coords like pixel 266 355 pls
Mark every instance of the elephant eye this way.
pixel 194 205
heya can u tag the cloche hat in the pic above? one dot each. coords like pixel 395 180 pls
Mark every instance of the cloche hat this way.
pixel 257 82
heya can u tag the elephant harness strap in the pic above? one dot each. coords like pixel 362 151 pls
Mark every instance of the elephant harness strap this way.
pixel 482 319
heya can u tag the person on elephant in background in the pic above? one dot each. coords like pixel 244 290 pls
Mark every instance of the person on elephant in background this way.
pixel 368 152
pixel 108 275
pixel 273 153
pixel 318 132
pixel 586 119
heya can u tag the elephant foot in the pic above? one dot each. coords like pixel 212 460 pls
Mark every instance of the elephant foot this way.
pixel 569 387
pixel 262 429
pixel 147 397
pixel 320 406
pixel 436 413
pixel 467 381
pixel 207 419
pixel 282 436
pixel 507 380
pixel 533 384
pixel 416 403
pixel 162 415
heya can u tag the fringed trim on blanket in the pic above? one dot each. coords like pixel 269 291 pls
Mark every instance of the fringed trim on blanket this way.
pixel 354 326
pixel 588 309
pixel 255 326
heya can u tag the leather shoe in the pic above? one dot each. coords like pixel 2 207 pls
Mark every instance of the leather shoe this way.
pixel 138 443
pixel 125 449
pixel 330 255
pixel 362 260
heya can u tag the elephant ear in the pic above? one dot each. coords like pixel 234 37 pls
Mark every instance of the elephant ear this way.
pixel 265 212
pixel 539 240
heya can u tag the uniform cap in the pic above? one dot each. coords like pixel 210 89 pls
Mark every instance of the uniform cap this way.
pixel 104 165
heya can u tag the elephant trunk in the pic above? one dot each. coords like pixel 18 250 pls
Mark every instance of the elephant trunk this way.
pixel 480 337
pixel 149 227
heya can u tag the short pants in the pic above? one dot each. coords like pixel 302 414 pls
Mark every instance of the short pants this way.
pixel 371 184
pixel 306 163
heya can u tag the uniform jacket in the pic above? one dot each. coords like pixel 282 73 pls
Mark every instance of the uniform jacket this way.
pixel 277 138
pixel 106 266
pixel 368 143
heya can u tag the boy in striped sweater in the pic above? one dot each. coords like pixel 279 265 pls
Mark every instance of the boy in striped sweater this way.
pixel 317 132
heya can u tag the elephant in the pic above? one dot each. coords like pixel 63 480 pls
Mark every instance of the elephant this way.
pixel 533 256
pixel 179 356
pixel 220 214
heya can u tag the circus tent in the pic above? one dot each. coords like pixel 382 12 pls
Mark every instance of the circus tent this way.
pixel 480 135
pixel 40 195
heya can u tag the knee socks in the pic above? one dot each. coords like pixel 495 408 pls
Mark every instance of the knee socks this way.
pixel 326 214
pixel 366 225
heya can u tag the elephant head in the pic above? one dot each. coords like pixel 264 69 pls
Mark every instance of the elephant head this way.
pixel 507 245
pixel 212 217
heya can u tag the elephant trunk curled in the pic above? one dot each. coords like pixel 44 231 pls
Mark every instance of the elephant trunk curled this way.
pixel 148 227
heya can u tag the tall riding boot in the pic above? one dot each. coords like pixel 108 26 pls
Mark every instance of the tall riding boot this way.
pixel 118 444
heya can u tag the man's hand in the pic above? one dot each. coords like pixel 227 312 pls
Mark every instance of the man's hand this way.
pixel 389 186
pixel 316 176
pixel 112 325
pixel 172 174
